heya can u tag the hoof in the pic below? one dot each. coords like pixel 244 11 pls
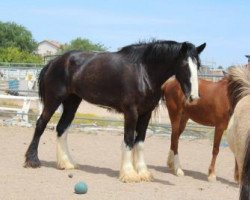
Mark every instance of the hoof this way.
pixel 211 178
pixel 236 178
pixel 32 163
pixel 129 177
pixel 66 165
pixel 179 172
pixel 146 176
pixel 170 164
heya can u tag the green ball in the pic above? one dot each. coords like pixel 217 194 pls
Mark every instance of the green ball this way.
pixel 81 188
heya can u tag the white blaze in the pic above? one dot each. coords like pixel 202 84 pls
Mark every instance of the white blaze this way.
pixel 193 78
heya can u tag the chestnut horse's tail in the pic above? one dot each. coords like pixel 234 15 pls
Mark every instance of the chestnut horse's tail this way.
pixel 245 187
pixel 238 85
pixel 41 91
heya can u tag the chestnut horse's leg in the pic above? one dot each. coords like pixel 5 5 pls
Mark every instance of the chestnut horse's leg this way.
pixel 178 126
pixel 31 156
pixel 70 106
pixel 127 172
pixel 217 139
pixel 139 162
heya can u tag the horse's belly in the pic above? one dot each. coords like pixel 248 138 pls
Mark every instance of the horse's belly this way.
pixel 203 118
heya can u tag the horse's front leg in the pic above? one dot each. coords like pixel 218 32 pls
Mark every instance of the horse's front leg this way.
pixel 216 147
pixel 70 105
pixel 127 172
pixel 139 161
pixel 178 126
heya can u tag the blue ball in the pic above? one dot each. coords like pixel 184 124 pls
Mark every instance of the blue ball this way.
pixel 81 188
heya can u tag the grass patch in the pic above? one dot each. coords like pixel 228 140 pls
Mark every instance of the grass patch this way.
pixel 81 119
pixel 9 104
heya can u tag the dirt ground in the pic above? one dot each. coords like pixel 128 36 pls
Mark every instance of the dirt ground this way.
pixel 98 156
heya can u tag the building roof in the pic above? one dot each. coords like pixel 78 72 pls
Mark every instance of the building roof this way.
pixel 52 42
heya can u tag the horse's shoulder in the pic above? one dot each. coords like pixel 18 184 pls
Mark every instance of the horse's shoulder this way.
pixel 245 101
pixel 170 83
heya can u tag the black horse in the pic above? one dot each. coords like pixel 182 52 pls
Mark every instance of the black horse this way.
pixel 128 81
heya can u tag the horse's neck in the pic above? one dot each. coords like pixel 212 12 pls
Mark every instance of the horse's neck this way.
pixel 159 74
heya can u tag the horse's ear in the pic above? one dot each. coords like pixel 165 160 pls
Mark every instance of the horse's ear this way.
pixel 225 74
pixel 200 48
pixel 184 48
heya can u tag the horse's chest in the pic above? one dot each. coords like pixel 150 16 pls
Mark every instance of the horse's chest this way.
pixel 148 104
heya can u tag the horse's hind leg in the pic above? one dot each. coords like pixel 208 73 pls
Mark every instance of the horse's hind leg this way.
pixel 236 172
pixel 70 106
pixel 127 171
pixel 31 156
pixel 216 147
pixel 173 162
pixel 139 162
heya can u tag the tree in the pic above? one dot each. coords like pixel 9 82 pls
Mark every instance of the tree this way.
pixel 220 67
pixel 83 45
pixel 14 55
pixel 14 35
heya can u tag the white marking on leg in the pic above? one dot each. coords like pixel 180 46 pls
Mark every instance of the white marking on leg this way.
pixel 139 157
pixel 177 166
pixel 127 171
pixel 170 161
pixel 194 78
pixel 174 163
pixel 139 162
pixel 126 158
pixel 64 160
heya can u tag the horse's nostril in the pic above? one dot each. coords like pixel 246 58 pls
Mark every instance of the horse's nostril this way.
pixel 191 98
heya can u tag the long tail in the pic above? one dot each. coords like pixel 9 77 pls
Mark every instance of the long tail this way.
pixel 239 84
pixel 41 91
pixel 245 188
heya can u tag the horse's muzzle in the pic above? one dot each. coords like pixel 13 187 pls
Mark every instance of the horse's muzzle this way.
pixel 192 99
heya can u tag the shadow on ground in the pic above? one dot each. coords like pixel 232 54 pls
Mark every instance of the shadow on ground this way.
pixel 99 170
pixel 196 175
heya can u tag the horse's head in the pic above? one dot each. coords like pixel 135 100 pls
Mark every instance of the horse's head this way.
pixel 186 70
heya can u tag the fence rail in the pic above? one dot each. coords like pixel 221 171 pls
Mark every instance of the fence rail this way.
pixel 20 65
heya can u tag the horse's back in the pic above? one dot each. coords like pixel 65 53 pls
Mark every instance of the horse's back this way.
pixel 106 70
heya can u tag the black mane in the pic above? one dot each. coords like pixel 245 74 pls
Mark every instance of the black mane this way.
pixel 155 51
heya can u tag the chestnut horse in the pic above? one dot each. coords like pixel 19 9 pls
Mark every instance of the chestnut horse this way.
pixel 212 109
pixel 128 81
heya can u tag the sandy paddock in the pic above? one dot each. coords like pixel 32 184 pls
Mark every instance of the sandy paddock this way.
pixel 99 158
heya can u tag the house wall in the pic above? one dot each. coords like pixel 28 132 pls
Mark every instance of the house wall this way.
pixel 46 49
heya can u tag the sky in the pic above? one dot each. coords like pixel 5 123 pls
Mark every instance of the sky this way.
pixel 224 25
